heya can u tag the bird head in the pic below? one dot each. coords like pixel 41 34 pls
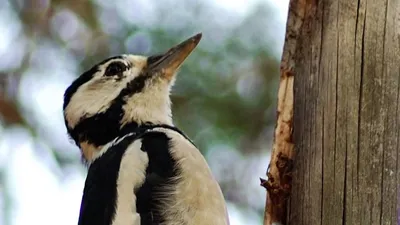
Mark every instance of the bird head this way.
pixel 120 94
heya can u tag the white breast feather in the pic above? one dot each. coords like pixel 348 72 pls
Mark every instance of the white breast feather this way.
pixel 198 199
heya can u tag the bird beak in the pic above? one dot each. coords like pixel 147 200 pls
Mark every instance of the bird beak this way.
pixel 169 62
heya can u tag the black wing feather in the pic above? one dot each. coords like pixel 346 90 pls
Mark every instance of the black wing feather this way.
pixel 161 173
pixel 100 192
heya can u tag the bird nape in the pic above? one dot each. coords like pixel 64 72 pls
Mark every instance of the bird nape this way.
pixel 142 170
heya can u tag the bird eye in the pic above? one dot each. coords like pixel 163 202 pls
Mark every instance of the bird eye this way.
pixel 115 68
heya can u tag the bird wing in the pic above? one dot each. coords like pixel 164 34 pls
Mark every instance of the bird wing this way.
pixel 144 163
pixel 100 194
pixel 197 199
pixel 161 175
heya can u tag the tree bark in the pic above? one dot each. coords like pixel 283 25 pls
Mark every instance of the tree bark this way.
pixel 279 171
pixel 346 115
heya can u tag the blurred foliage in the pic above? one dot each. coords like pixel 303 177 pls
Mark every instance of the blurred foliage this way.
pixel 224 95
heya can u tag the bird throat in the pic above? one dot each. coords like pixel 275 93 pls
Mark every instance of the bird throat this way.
pixel 90 150
pixel 91 139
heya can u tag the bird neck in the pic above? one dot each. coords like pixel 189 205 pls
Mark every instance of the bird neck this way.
pixel 98 136
pixel 121 118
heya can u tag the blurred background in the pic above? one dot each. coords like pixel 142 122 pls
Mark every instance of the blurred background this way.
pixel 224 97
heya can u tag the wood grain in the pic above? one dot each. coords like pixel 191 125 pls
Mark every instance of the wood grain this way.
pixel 346 114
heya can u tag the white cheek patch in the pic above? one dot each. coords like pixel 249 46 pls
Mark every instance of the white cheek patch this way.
pixel 97 95
pixel 92 98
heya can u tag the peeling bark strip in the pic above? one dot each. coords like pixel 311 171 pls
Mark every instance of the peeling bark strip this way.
pixel 279 190
pixel 279 174
pixel 340 94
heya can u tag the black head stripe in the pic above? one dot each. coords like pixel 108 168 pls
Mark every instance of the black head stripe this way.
pixel 82 79
pixel 109 59
pixel 134 86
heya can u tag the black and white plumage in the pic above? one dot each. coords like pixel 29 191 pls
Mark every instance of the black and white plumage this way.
pixel 142 169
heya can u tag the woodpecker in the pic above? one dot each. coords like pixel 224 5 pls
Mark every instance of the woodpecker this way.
pixel 142 170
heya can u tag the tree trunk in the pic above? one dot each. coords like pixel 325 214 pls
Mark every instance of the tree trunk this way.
pixel 346 69
pixel 346 113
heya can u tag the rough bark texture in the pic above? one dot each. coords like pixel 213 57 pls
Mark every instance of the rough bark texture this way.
pixel 280 168
pixel 346 113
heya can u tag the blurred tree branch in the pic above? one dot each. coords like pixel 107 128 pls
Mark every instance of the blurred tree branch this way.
pixel 9 112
